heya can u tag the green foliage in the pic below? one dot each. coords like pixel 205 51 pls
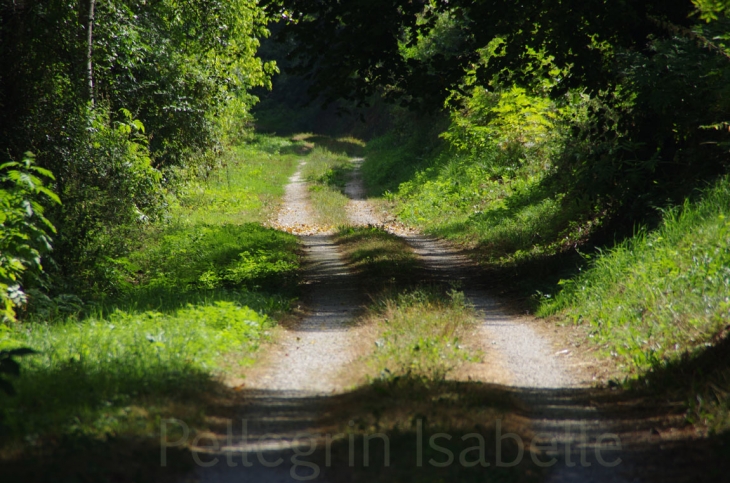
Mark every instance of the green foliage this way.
pixel 506 128
pixel 443 38
pixel 109 190
pixel 191 302
pixel 419 53
pixel 640 144
pixel 191 94
pixel 662 293
pixel 125 119
pixel 25 233
pixel 710 10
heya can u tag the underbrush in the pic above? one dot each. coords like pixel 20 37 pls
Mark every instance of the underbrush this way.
pixel 195 298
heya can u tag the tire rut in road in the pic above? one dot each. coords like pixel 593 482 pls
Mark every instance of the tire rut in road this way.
pixel 287 395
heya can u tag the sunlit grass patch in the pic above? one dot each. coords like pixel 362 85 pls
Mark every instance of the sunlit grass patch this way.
pixel 245 188
pixel 421 334
pixel 328 173
pixel 659 294
pixel 117 375
pixel 658 307
pixel 209 257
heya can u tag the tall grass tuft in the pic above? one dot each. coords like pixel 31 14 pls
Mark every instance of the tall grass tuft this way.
pixel 421 333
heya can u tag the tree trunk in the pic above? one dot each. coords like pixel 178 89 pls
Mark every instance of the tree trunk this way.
pixel 89 49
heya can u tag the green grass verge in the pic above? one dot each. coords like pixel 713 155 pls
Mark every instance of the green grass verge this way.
pixel 246 187
pixel 510 217
pixel 211 257
pixel 197 298
pixel 659 294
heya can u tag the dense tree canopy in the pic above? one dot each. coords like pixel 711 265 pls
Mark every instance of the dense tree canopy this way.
pixel 354 48
pixel 119 99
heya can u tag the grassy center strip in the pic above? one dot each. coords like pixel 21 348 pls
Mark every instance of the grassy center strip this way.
pixel 420 325
pixel 328 169
pixel 411 421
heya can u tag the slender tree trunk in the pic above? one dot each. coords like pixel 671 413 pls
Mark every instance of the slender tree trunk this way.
pixel 89 49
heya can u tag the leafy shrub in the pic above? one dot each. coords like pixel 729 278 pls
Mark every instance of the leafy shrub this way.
pixel 109 190
pixel 505 129
pixel 24 231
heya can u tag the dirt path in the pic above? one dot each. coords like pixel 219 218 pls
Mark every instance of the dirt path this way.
pixel 286 395
pixel 287 398
pixel 309 357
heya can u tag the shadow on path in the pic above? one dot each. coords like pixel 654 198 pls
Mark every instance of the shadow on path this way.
pixel 458 431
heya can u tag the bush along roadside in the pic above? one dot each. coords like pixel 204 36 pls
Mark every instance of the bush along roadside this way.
pixel 25 233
